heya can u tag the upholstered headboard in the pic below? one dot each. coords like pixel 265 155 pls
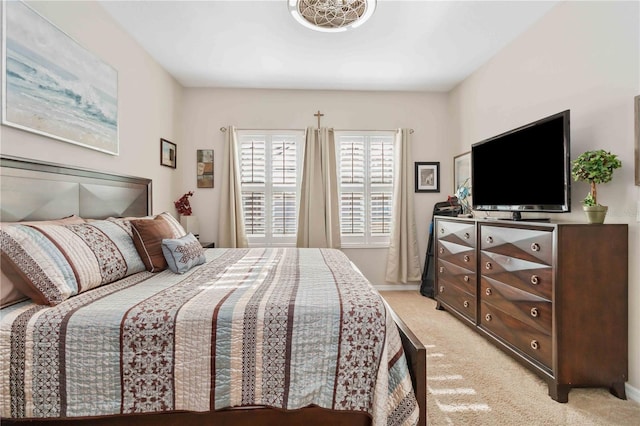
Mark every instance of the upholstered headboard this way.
pixel 34 190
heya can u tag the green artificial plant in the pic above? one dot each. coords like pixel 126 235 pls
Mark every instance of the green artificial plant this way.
pixel 594 167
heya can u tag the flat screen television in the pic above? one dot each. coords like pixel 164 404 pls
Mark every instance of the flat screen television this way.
pixel 526 169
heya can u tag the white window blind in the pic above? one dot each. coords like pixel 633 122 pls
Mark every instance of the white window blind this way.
pixel 270 167
pixel 366 187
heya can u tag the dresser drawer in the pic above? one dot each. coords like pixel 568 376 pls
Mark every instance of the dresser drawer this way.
pixel 527 244
pixel 456 233
pixel 529 276
pixel 517 334
pixel 458 299
pixel 462 256
pixel 530 309
pixel 462 278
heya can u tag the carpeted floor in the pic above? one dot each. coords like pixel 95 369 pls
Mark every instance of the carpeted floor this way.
pixel 470 382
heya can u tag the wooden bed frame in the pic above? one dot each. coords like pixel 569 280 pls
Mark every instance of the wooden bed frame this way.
pixel 34 190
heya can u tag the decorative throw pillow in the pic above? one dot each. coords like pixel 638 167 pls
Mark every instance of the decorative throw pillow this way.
pixel 147 238
pixel 183 253
pixel 60 261
pixel 10 279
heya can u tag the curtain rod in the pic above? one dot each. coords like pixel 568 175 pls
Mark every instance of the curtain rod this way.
pixel 224 129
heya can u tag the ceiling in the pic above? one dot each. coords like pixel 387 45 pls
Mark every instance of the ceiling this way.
pixel 415 45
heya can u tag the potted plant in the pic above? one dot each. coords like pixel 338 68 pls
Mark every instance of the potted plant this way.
pixel 594 167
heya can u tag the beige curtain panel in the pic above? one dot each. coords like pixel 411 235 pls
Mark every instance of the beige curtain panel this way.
pixel 403 262
pixel 231 231
pixel 318 216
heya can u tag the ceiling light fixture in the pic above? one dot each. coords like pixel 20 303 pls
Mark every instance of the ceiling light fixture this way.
pixel 332 15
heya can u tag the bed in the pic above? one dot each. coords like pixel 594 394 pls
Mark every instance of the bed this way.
pixel 237 336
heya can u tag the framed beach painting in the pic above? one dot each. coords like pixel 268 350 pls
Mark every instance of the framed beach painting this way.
pixel 53 86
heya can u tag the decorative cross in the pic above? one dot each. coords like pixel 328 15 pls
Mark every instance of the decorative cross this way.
pixel 318 114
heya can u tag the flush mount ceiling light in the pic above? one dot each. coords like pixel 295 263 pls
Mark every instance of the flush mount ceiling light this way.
pixel 332 15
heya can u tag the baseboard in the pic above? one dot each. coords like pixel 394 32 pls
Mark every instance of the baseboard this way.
pixel 389 287
pixel 632 393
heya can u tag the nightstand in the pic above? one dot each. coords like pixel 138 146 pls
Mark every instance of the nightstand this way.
pixel 207 245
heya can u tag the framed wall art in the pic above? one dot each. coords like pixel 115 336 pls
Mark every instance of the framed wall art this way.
pixel 168 153
pixel 205 168
pixel 53 86
pixel 461 171
pixel 427 176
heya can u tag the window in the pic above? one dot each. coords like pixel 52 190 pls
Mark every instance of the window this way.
pixel 270 168
pixel 365 164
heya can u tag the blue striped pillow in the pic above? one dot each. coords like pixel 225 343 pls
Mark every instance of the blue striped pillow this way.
pixel 60 261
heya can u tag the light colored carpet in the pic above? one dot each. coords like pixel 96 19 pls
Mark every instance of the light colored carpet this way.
pixel 471 382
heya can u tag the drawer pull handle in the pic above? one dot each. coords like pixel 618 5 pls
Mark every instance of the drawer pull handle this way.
pixel 490 240
pixel 535 247
pixel 466 258
pixel 467 235
pixel 487 317
pixel 441 250
pixel 442 230
pixel 441 289
pixel 488 292
pixel 466 278
pixel 488 265
pixel 534 312
pixel 466 303
pixel 535 280
pixel 534 345
pixel 442 269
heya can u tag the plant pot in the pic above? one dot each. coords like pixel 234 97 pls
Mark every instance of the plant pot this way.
pixel 595 214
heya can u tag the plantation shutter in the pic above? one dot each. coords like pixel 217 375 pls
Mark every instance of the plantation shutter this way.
pixel 352 186
pixel 253 178
pixel 366 187
pixel 283 179
pixel 381 185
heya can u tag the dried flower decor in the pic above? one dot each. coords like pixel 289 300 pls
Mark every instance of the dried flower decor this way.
pixel 183 205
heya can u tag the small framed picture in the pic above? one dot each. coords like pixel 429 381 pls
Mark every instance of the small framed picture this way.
pixel 205 168
pixel 168 153
pixel 461 171
pixel 427 175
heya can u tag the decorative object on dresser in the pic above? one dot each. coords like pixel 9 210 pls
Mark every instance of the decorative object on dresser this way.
pixel 168 153
pixel 594 167
pixel 205 168
pixel 54 86
pixel 427 176
pixel 553 295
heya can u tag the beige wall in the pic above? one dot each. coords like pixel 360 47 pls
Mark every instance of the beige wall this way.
pixel 148 104
pixel 582 56
pixel 206 110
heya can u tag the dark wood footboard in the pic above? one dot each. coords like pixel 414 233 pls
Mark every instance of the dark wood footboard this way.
pixel 416 355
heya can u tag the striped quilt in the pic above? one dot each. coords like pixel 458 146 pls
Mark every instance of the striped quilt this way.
pixel 275 327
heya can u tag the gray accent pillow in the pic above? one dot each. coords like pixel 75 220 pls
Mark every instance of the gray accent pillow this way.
pixel 182 253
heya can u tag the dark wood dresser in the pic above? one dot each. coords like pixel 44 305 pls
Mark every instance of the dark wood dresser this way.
pixel 552 295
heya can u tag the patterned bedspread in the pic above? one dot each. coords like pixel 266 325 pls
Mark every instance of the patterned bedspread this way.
pixel 252 327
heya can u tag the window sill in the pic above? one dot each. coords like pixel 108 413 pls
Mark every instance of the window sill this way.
pixel 364 246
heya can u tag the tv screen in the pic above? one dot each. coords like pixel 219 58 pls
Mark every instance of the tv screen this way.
pixel 525 169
